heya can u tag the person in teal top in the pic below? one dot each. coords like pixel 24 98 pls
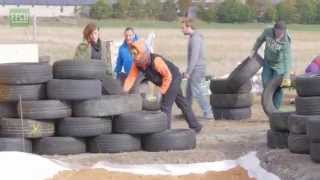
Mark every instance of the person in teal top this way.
pixel 277 56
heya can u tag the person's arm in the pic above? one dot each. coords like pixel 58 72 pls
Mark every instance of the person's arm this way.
pixel 119 65
pixel 196 42
pixel 82 52
pixel 261 39
pixel 164 70
pixel 129 82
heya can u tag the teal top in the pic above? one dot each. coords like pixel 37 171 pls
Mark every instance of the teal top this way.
pixel 277 54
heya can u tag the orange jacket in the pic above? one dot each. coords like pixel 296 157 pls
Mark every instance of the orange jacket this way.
pixel 141 59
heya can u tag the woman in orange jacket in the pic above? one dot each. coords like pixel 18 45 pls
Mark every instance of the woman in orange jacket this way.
pixel 164 74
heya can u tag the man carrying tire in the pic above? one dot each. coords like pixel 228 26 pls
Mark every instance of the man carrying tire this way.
pixel 277 57
pixel 196 69
pixel 164 74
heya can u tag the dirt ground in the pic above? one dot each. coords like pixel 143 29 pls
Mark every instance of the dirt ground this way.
pixel 219 140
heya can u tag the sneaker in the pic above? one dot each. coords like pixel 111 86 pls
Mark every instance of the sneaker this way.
pixel 208 116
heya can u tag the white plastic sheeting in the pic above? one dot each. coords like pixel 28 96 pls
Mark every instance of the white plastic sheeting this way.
pixel 18 165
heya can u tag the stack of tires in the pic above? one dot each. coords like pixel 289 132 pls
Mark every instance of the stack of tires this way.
pixel 78 111
pixel 307 120
pixel 231 98
pixel 25 81
pixel 277 136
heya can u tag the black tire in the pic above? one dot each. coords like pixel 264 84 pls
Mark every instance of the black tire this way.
pixel 169 140
pixel 8 110
pixel 223 101
pixel 59 146
pixel 299 144
pixel 44 109
pixel 74 89
pixel 111 86
pixel 315 152
pixel 27 128
pixel 313 126
pixel 25 73
pixel 306 85
pixel 83 127
pixel 220 86
pixel 140 123
pixel 267 96
pixel 244 72
pixel 279 121
pixel 12 93
pixel 15 144
pixel 79 69
pixel 297 123
pixel 114 143
pixel 277 140
pixel 308 105
pixel 108 106
pixel 232 114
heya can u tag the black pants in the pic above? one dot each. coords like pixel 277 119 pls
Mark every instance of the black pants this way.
pixel 174 94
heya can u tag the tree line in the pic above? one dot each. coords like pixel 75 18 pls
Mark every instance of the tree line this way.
pixel 227 11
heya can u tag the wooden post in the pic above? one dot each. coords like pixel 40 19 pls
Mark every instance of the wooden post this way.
pixel 34 23
pixel 108 55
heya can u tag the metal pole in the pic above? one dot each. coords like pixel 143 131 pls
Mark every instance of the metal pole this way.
pixel 22 124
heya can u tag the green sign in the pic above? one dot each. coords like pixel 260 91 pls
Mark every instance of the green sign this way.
pixel 19 17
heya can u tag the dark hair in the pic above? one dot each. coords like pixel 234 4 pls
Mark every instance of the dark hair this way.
pixel 129 29
pixel 188 22
pixel 281 25
pixel 87 31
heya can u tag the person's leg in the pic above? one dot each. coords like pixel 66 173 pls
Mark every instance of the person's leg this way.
pixel 168 99
pixel 187 111
pixel 196 79
pixel 267 75
pixel 189 94
pixel 278 95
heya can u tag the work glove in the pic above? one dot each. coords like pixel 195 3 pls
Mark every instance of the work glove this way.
pixel 286 82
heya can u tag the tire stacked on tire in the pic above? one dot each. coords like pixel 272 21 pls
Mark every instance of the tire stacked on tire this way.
pixel 231 98
pixel 277 136
pixel 25 81
pixel 69 114
pixel 228 104
pixel 308 113
pixel 73 81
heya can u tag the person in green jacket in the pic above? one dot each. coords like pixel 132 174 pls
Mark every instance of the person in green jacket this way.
pixel 92 47
pixel 277 56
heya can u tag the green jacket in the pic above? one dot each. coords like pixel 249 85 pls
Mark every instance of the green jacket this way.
pixel 83 52
pixel 277 54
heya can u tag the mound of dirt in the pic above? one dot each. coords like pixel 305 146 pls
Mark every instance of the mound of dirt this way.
pixel 236 173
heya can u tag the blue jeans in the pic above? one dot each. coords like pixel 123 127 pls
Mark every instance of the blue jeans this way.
pixel 194 90
pixel 267 75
